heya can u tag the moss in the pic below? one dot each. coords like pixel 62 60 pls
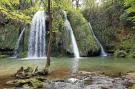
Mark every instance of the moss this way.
pixel 85 40
pixel 36 83
pixel 8 37
pixel 61 40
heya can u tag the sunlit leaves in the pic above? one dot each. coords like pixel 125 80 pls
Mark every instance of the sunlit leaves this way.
pixel 20 17
pixel 9 4
pixel 18 11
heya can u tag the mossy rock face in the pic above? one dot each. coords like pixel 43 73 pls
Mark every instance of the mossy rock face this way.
pixel 29 78
pixel 61 44
pixel 85 40
pixel 9 35
pixel 36 83
pixel 32 83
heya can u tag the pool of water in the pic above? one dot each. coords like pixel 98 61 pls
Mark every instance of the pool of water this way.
pixel 106 64
pixel 61 68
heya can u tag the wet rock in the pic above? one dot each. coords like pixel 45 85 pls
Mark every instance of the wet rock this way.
pixel 60 81
pixel 88 82
pixel 87 73
pixel 72 80
pixel 61 85
pixel 10 88
pixel 130 75
pixel 26 86
pixel 24 73
pixel 20 73
pixel 17 82
pixel 28 78
pixel 32 83
pixel 29 72
pixel 42 79
pixel 83 80
pixel 43 72
pixel 36 83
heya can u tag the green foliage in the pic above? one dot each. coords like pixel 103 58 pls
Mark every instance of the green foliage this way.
pixel 9 4
pixel 8 37
pixel 65 4
pixel 129 14
pixel 14 16
pixel 61 41
pixel 105 21
pixel 85 40
pixel 126 43
pixel 57 16
pixel 57 28
pixel 131 54
pixel 18 11
pixel 89 4
pixel 120 53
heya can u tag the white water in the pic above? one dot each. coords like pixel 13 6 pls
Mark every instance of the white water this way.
pixel 75 64
pixel 37 37
pixel 74 44
pixel 16 52
pixel 102 53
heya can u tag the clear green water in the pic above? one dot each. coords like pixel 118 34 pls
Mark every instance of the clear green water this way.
pixel 106 64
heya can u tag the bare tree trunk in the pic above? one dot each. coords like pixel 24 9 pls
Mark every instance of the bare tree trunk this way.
pixel 77 3
pixel 50 37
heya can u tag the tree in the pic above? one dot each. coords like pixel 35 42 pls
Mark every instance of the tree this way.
pixel 18 11
pixel 129 14
pixel 55 10
pixel 50 37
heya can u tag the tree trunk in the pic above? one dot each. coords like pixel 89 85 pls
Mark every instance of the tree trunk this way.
pixel 77 4
pixel 50 37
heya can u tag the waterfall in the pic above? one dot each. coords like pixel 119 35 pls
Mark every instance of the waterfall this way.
pixel 37 41
pixel 16 52
pixel 69 28
pixel 102 53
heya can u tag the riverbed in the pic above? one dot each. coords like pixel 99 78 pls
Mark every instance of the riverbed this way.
pixel 61 68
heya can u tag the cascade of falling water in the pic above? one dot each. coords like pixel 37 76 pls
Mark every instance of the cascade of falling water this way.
pixel 16 52
pixel 75 64
pixel 37 41
pixel 73 41
pixel 102 53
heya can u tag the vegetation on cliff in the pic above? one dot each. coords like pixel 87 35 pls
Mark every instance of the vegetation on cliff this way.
pixel 112 22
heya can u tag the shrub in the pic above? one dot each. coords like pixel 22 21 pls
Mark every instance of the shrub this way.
pixel 120 53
